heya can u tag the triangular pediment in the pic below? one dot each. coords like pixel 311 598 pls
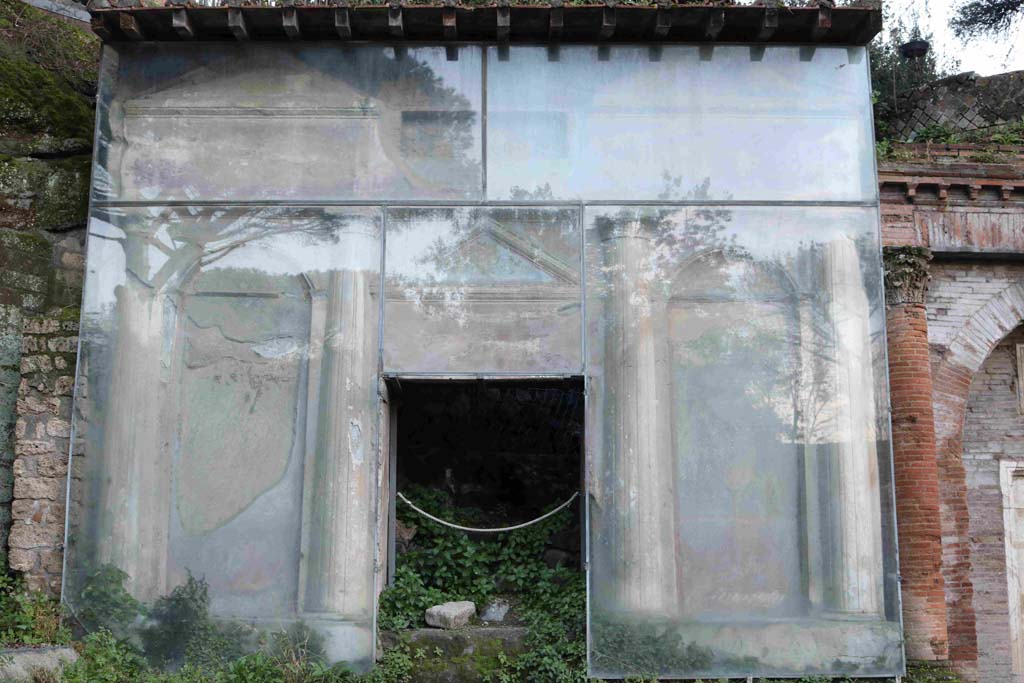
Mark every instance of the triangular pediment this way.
pixel 491 252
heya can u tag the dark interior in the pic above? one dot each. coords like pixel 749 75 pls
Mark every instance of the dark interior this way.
pixel 509 448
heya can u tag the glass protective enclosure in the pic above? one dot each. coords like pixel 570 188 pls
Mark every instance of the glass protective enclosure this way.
pixel 483 290
pixel 679 123
pixel 737 522
pixel 226 411
pixel 693 229
pixel 245 121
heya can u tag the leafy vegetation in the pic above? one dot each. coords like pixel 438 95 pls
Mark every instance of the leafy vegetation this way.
pixel 175 640
pixel 1009 134
pixel 986 17
pixel 106 604
pixel 28 617
pixel 446 564
pixel 892 74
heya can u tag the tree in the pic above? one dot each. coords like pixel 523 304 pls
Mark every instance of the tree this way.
pixel 892 74
pixel 986 17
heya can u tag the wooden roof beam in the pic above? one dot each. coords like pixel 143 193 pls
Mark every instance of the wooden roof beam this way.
pixel 449 19
pixel 556 22
pixel 129 26
pixel 608 19
pixel 663 21
pixel 504 23
pixel 290 23
pixel 822 23
pixel 714 23
pixel 342 23
pixel 237 24
pixel 99 27
pixel 769 23
pixel 182 25
pixel 396 26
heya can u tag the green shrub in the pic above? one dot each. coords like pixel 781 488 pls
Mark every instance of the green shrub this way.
pixel 28 617
pixel 937 133
pixel 105 659
pixel 105 604
pixel 402 604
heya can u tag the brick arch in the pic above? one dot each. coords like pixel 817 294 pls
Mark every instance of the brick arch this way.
pixel 952 371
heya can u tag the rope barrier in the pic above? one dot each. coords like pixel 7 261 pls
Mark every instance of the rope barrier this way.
pixel 488 531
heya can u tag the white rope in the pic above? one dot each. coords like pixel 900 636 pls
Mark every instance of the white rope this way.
pixel 488 531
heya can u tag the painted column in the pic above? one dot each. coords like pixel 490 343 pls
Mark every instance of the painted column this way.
pixel 340 497
pixel 639 472
pixel 914 458
pixel 855 572
pixel 807 401
pixel 134 505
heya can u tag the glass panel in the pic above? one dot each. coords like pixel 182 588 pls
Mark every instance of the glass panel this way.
pixel 655 123
pixel 483 290
pixel 740 495
pixel 331 122
pixel 225 423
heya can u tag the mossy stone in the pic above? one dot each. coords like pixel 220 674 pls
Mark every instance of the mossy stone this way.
pixel 466 655
pixel 26 242
pixel 32 100
pixel 64 49
pixel 51 194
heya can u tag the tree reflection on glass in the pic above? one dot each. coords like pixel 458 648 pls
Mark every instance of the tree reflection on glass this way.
pixel 483 289
pixel 737 479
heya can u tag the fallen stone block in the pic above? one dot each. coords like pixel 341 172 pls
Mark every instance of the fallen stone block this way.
pixel 25 664
pixel 450 614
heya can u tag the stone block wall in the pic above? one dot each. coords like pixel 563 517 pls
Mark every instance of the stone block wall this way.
pixel 42 431
pixel 49 66
pixel 962 102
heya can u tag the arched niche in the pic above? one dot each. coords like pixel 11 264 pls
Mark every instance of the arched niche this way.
pixel 241 355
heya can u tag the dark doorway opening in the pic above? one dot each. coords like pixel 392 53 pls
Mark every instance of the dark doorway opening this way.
pixel 509 450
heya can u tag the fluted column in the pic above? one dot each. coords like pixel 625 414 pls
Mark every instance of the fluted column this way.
pixel 639 471
pixel 856 587
pixel 340 500
pixel 914 456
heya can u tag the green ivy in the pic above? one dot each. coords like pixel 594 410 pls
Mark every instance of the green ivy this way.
pixel 446 564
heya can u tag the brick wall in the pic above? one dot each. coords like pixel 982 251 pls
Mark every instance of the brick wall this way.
pixel 917 481
pixel 968 213
pixel 993 431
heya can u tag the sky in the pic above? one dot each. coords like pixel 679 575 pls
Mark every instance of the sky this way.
pixel 987 56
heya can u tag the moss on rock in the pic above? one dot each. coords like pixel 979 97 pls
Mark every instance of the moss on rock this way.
pixel 51 194
pixel 32 245
pixel 68 51
pixel 32 100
